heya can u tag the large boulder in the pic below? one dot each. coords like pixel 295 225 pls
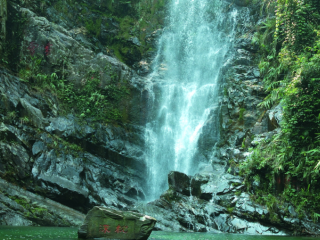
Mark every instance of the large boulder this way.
pixel 102 222
pixel 179 182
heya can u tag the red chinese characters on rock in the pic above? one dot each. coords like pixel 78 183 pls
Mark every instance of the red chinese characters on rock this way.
pixel 104 228
pixel 123 229
pixel 47 49
pixel 119 229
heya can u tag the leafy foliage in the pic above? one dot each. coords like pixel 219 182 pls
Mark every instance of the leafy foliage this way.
pixel 90 100
pixel 290 64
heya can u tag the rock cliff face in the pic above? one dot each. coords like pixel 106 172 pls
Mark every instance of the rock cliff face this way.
pixel 52 146
pixel 23 208
pixel 65 156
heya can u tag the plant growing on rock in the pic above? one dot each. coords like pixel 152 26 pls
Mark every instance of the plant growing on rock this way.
pixel 24 120
pixel 241 112
pixel 90 100
pixel 290 67
pixel 11 115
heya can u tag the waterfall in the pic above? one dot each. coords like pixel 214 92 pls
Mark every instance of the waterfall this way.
pixel 185 79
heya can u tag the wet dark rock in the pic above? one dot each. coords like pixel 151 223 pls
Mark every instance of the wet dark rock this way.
pixel 38 147
pixel 72 51
pixel 179 182
pixel 106 142
pixel 264 136
pixel 195 213
pixel 135 41
pixel 153 37
pixel 309 227
pixel 19 207
pixel 11 89
pixel 275 117
pixel 260 127
pixel 75 164
pixel 221 222
pixel 242 61
pixel 240 136
pixel 292 211
pixel 196 186
pixel 33 114
pixel 246 43
pixel 86 178
pixel 14 157
pixel 72 163
pixel 246 208
pixel 256 72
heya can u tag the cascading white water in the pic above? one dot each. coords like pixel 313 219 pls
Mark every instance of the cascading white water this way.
pixel 191 52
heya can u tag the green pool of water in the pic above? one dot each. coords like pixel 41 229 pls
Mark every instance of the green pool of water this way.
pixel 36 233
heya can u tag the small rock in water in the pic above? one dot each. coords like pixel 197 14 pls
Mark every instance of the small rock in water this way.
pixel 102 222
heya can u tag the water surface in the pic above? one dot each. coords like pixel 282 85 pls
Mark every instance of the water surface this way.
pixel 18 233
pixel 218 236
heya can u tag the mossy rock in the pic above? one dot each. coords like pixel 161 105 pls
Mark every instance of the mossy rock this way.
pixel 102 222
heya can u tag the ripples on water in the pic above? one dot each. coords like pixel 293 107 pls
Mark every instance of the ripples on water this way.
pixel 35 233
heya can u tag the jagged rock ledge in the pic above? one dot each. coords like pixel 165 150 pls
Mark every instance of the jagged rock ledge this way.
pixel 213 202
pixel 19 207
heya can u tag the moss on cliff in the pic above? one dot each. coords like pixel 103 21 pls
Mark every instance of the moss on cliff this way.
pixel 130 19
pixel 114 28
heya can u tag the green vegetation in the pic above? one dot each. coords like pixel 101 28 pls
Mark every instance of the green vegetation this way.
pixel 243 144
pixel 9 174
pixel 32 210
pixel 24 120
pixel 61 145
pixel 36 211
pixel 94 26
pixel 241 112
pixel 290 64
pixel 230 210
pixel 91 100
pixel 171 196
pixel 232 165
pixel 121 19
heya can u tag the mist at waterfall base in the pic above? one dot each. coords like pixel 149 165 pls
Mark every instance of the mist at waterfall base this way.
pixel 185 88
pixel 35 233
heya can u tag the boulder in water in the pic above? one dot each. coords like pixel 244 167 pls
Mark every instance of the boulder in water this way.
pixel 102 222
